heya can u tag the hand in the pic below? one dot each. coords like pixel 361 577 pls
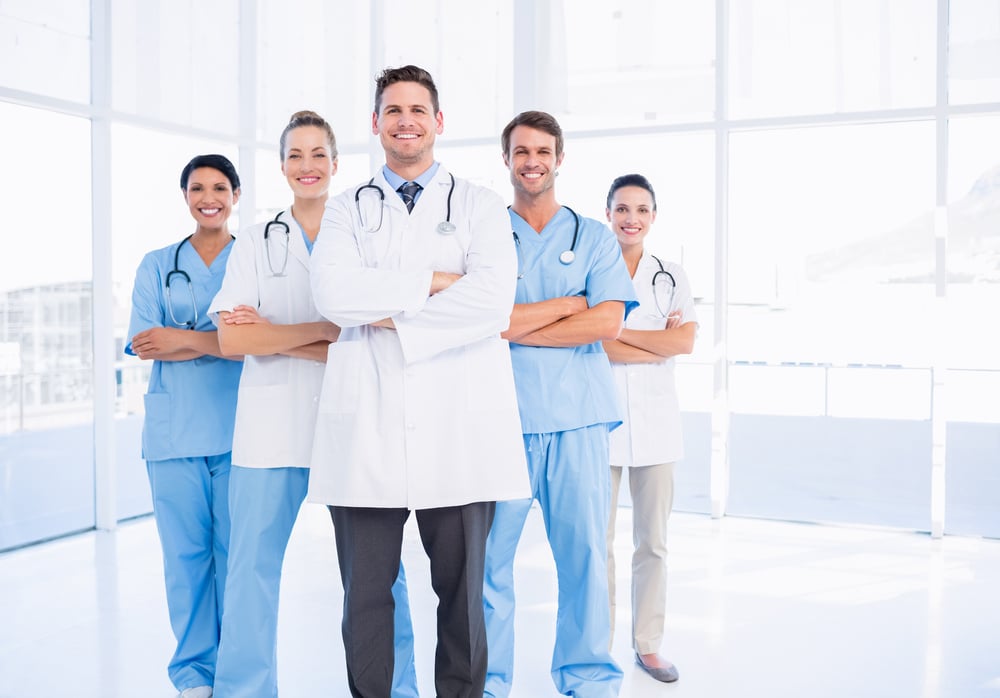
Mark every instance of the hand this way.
pixel 158 341
pixel 574 305
pixel 673 320
pixel 245 315
pixel 442 280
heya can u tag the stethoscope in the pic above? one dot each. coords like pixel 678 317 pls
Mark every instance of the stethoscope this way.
pixel 177 271
pixel 283 227
pixel 445 227
pixel 673 288
pixel 566 256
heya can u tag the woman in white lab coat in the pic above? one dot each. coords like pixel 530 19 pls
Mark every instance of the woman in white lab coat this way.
pixel 265 311
pixel 649 441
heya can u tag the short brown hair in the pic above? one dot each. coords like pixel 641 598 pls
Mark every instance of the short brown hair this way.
pixel 408 73
pixel 543 121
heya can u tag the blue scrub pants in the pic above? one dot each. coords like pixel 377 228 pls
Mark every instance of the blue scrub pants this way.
pixel 570 479
pixel 264 503
pixel 190 505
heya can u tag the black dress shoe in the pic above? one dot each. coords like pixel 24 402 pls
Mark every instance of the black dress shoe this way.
pixel 666 674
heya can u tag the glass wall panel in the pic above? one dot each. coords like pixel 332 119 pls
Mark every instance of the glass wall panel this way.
pixel 468 48
pixel 314 55
pixel 45 48
pixel 177 61
pixel 824 56
pixel 46 345
pixel 973 434
pixel 631 63
pixel 831 268
pixel 974 51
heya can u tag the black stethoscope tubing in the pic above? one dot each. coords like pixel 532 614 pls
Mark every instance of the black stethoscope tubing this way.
pixel 673 286
pixel 566 256
pixel 267 246
pixel 445 227
pixel 177 271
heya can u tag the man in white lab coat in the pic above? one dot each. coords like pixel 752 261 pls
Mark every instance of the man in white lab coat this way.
pixel 418 410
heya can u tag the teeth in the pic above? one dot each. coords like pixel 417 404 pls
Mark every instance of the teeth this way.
pixel 532 175
pixel 210 211
pixel 406 136
pixel 309 180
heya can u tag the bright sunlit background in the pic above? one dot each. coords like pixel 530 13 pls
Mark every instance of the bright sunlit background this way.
pixel 827 172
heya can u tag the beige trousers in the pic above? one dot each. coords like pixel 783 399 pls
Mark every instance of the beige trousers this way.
pixel 652 489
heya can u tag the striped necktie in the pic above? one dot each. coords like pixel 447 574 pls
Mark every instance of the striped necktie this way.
pixel 408 190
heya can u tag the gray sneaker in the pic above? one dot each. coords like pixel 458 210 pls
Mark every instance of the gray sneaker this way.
pixel 667 674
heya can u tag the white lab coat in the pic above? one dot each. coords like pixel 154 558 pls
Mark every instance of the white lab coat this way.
pixel 278 395
pixel 425 415
pixel 651 433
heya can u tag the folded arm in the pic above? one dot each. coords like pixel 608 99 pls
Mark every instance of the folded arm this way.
pixel 602 322
pixel 652 346
pixel 244 331
pixel 175 344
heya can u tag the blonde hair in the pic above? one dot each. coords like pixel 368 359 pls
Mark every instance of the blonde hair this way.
pixel 307 118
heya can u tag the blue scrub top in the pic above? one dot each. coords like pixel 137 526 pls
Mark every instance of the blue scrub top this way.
pixel 190 405
pixel 558 388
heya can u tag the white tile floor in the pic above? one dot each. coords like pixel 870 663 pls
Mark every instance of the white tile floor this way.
pixel 756 608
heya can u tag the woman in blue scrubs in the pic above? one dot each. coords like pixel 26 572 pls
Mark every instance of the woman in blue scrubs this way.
pixel 187 435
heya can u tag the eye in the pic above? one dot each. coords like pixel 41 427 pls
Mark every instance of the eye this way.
pixel 293 156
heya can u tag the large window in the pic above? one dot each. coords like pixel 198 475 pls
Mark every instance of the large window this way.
pixel 46 355
pixel 826 56
pixel 831 269
pixel 821 187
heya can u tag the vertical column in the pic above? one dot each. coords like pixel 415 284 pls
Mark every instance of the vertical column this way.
pixel 377 59
pixel 719 477
pixel 105 477
pixel 248 112
pixel 939 413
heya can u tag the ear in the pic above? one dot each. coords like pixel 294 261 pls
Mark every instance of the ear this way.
pixel 439 119
pixel 336 164
pixel 607 212
pixel 236 196
pixel 506 160
pixel 374 124
pixel 652 217
pixel 560 158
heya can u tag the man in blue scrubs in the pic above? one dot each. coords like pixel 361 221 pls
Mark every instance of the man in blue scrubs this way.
pixel 573 292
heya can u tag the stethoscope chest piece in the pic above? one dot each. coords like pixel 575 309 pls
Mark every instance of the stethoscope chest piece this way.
pixel 567 257
pixel 446 228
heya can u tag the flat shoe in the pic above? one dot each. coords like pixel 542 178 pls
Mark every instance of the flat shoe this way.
pixel 665 674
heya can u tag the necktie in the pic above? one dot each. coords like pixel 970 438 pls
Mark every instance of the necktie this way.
pixel 408 190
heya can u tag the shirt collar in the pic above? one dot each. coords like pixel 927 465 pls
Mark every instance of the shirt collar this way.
pixel 395 181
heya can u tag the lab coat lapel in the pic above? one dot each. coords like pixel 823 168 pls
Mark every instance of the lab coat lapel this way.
pixel 296 245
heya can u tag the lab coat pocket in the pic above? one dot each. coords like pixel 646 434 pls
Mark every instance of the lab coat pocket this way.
pixel 342 378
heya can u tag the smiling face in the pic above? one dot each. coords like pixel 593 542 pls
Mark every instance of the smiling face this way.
pixel 631 215
pixel 308 164
pixel 532 162
pixel 407 125
pixel 210 198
